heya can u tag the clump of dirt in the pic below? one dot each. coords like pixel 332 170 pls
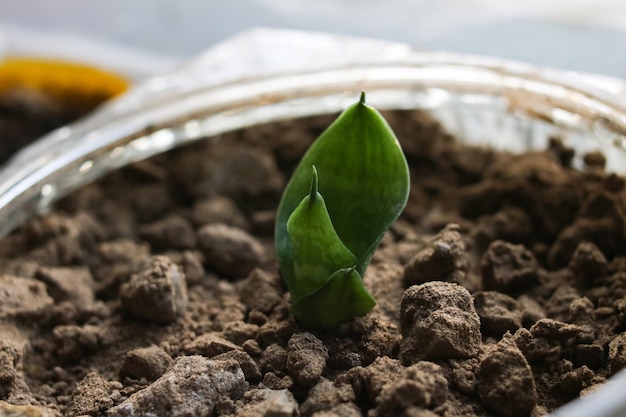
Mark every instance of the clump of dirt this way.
pixel 501 289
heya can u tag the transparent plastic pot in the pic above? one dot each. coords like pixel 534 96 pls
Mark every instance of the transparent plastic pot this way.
pixel 267 75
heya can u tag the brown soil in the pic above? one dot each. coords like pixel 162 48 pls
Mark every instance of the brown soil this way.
pixel 155 291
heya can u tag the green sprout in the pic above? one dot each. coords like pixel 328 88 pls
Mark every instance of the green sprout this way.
pixel 324 244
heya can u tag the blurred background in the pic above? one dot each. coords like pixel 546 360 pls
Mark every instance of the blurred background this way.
pixel 151 36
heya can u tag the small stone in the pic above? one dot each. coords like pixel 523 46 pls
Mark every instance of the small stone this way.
pixel 274 359
pixel 370 380
pixel 123 251
pixel 617 353
pixel 550 329
pixel 191 262
pixel 252 348
pixel 588 263
pixel 268 403
pixel 91 397
pixel 510 224
pixel 249 367
pixel 421 385
pixel 275 332
pixel 218 209
pixel 172 232
pixel 507 267
pixel 442 256
pixel 582 311
pixel 260 290
pixel 158 293
pixel 194 385
pixel 73 284
pixel 461 375
pixel 326 396
pixel 244 171
pixel 505 381
pixel 558 305
pixel 149 363
pixel 438 321
pixel 574 380
pixel 306 358
pixel 209 345
pixel 531 310
pixel 498 312
pixel 535 349
pixel 273 381
pixel 22 297
pixel 239 331
pixel 72 342
pixel 13 346
pixel 229 250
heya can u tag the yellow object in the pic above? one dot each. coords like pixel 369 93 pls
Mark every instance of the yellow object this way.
pixel 63 81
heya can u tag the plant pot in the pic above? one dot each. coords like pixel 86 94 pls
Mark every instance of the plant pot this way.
pixel 268 76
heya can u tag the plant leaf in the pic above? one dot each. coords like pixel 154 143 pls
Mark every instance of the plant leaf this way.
pixel 318 251
pixel 342 298
pixel 363 177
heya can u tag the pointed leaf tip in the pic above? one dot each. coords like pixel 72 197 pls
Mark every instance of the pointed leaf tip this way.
pixel 314 185
pixel 362 98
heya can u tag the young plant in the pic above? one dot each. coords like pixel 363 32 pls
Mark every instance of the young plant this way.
pixel 348 189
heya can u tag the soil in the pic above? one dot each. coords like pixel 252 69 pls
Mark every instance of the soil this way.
pixel 155 292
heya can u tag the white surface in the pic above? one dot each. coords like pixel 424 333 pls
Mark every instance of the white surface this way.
pixel 582 35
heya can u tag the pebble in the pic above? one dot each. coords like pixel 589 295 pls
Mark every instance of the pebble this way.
pixel 370 380
pixel 191 262
pixel 191 387
pixel 92 396
pixel 306 358
pixel 550 329
pixel 444 255
pixel 498 312
pixel 245 171
pixel 617 353
pixel 73 284
pixel 158 293
pixel 269 403
pixel 13 346
pixel 22 297
pixel 230 250
pixel 274 359
pixel 71 341
pixel 325 397
pixel 587 263
pixel 249 367
pixel 505 381
pixel 172 232
pixel 438 321
pixel 507 267
pixel 260 291
pixel 149 363
pixel 209 345
pixel 239 331
pixel 531 310
pixel 421 385
pixel 218 209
